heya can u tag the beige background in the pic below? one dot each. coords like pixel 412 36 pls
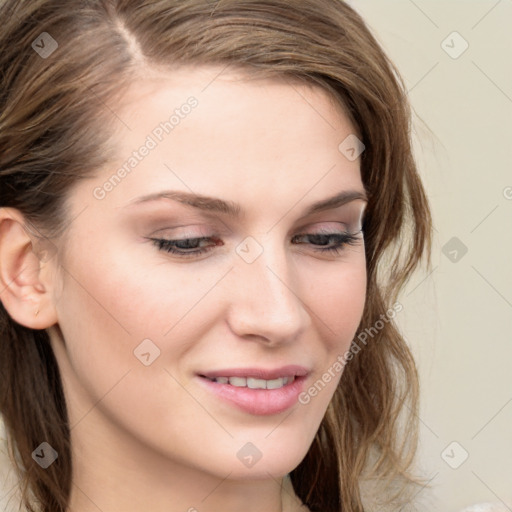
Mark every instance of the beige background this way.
pixel 458 318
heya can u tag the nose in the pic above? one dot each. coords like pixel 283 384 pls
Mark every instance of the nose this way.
pixel 265 299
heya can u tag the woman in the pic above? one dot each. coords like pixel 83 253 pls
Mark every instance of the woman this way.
pixel 207 212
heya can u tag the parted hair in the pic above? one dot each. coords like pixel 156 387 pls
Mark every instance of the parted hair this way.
pixel 56 114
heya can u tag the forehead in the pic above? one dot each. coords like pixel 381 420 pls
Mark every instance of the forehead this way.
pixel 229 93
pixel 224 133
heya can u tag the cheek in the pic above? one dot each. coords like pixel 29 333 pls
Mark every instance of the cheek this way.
pixel 105 311
pixel 108 306
pixel 123 293
pixel 339 300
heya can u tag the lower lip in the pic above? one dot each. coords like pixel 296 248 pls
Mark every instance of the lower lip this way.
pixel 262 402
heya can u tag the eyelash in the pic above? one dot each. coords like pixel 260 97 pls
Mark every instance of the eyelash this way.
pixel 342 240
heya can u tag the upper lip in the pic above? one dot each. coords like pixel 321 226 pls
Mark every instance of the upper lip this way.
pixel 258 373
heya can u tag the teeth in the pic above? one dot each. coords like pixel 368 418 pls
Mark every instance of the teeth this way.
pixel 239 382
pixel 254 383
pixel 276 383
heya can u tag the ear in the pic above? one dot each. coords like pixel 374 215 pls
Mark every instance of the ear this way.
pixel 25 276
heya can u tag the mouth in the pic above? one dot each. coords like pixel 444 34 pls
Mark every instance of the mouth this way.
pixel 257 391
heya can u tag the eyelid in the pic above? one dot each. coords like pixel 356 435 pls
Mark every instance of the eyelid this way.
pixel 186 231
pixel 349 215
pixel 329 227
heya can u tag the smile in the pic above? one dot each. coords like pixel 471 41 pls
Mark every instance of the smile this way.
pixel 256 391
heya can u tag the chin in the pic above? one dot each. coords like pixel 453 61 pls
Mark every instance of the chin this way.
pixel 270 453
pixel 274 467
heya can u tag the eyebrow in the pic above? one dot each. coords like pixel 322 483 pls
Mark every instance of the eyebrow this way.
pixel 232 209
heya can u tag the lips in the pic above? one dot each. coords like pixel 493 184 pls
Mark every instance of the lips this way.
pixel 257 391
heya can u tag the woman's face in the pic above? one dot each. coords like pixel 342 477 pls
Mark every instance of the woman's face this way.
pixel 164 343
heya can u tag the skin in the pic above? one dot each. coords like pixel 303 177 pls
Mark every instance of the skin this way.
pixel 152 435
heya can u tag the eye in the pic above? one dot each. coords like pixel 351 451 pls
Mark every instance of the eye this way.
pixel 193 247
pixel 331 242
pixel 185 247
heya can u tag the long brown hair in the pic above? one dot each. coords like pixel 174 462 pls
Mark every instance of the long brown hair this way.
pixel 56 111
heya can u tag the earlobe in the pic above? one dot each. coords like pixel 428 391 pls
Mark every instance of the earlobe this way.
pixel 24 288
